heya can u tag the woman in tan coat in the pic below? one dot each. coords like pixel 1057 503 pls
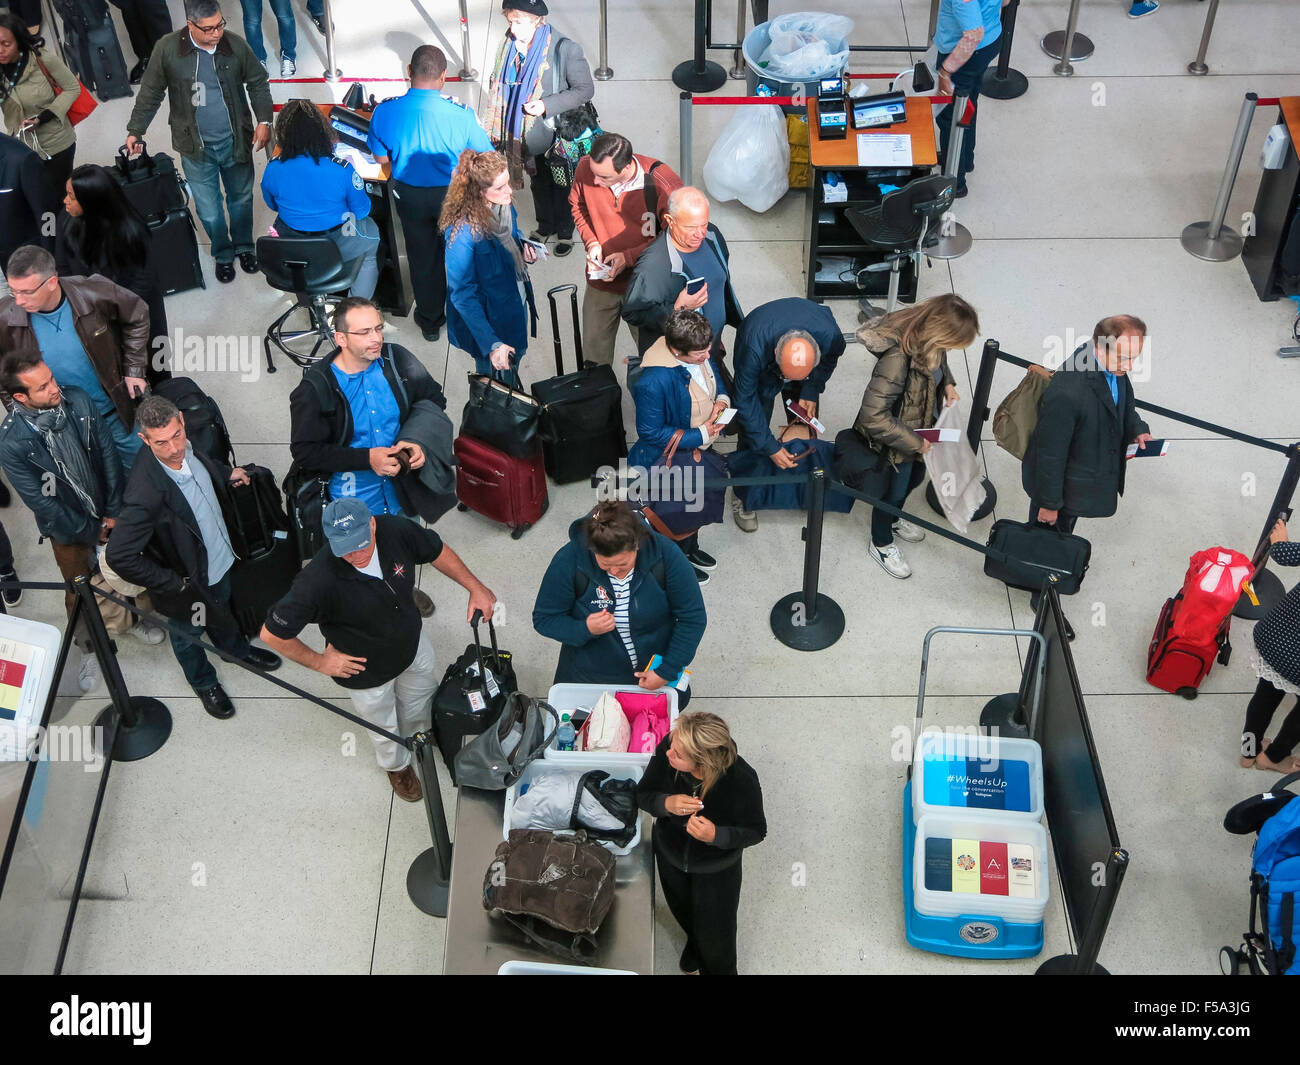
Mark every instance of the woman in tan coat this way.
pixel 33 111
pixel 910 377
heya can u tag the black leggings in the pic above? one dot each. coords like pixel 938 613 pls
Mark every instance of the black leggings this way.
pixel 705 905
pixel 1259 713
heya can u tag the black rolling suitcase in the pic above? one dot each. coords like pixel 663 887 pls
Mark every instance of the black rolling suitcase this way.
pixel 91 49
pixel 155 189
pixel 174 252
pixel 582 412
pixel 471 694
pixel 267 559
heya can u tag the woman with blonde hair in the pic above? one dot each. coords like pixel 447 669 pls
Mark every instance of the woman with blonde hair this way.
pixel 910 379
pixel 487 267
pixel 709 808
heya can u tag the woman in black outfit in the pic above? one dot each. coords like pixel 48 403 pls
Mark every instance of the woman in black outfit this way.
pixel 1276 659
pixel 709 808
pixel 99 232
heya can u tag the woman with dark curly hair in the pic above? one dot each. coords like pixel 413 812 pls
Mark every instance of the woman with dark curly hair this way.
pixel 36 90
pixel 487 267
pixel 317 195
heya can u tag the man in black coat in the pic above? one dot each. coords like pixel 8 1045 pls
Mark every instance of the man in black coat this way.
pixel 25 203
pixel 172 538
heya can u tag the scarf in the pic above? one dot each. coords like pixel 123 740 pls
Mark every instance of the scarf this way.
pixel 508 125
pixel 58 433
pixel 503 230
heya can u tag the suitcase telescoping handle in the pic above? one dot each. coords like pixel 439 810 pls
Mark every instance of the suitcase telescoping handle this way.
pixel 555 325
pixel 478 647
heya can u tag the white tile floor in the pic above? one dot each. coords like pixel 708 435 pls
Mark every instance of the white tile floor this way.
pixel 260 845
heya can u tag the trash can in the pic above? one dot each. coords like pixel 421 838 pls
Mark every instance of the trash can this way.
pixel 754 45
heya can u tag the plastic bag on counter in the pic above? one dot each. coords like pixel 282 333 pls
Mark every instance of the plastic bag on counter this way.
pixel 750 162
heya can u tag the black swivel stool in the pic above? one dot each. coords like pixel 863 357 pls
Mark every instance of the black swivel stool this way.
pixel 902 222
pixel 312 269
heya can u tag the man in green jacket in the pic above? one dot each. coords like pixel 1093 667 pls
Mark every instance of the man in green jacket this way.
pixel 210 77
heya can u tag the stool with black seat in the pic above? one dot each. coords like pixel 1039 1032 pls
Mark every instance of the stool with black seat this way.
pixel 312 269
pixel 902 222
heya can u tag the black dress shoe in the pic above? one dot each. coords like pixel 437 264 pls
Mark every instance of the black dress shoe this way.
pixel 217 703
pixel 431 335
pixel 248 262
pixel 563 247
pixel 137 73
pixel 263 659
pixel 225 272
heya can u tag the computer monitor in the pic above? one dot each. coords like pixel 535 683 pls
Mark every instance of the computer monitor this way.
pixel 873 112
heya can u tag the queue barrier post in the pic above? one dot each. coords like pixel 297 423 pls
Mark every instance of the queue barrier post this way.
pixel 954 238
pixel 684 120
pixel 699 74
pixel 737 71
pixel 1197 65
pixel 807 620
pixel 1068 45
pixel 428 880
pixel 332 72
pixel 1001 82
pixel 467 72
pixel 934 19
pixel 603 72
pixel 1212 240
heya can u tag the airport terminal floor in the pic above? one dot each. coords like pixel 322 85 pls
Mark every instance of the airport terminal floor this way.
pixel 271 842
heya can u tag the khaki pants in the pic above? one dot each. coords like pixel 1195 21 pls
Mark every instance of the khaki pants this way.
pixel 600 321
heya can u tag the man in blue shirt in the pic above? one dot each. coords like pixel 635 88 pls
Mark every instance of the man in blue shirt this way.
pixel 422 135
pixel 968 36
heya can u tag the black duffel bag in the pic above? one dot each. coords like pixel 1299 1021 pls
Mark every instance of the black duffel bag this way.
pixel 502 417
pixel 1037 552
pixel 860 466
pixel 471 694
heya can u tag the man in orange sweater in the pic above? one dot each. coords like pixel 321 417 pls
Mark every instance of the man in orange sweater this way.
pixel 618 199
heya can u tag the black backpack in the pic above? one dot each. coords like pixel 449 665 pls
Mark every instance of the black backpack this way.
pixel 204 425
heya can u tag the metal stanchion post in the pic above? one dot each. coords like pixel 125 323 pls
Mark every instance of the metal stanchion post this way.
pixel 684 119
pixel 699 74
pixel 1197 65
pixel 1268 589
pixel 332 72
pixel 428 880
pixel 934 19
pixel 143 723
pixel 1212 240
pixel 737 71
pixel 1068 45
pixel 602 72
pixel 807 620
pixel 1003 83
pixel 467 72
pixel 954 238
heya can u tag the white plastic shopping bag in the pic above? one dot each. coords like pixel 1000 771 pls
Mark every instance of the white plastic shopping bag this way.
pixel 955 472
pixel 806 45
pixel 750 162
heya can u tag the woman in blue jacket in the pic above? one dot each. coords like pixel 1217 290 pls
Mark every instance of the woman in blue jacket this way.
pixel 616 595
pixel 487 267
pixel 317 195
pixel 680 387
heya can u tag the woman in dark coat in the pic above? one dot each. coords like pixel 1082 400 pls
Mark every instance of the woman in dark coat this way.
pixel 709 808
pixel 1276 658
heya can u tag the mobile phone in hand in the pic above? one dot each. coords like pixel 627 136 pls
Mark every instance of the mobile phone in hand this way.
pixel 694 285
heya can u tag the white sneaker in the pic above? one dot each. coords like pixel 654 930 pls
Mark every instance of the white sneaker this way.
pixel 891 560
pixel 288 68
pixel 146 633
pixel 905 530
pixel 88 676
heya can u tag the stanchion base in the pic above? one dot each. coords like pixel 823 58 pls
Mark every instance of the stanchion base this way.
pixel 426 887
pixel 737 73
pixel 685 76
pixel 332 75
pixel 1196 241
pixel 953 246
pixel 985 508
pixel 1008 88
pixel 791 625
pixel 1197 68
pixel 153 726
pixel 1268 590
pixel 1065 965
pixel 602 73
pixel 1054 45
pixel 472 75
pixel 1001 713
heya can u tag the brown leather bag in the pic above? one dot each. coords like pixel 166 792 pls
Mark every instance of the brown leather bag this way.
pixel 556 888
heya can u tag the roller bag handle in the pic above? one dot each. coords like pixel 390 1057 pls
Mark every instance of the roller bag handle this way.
pixel 478 651
pixel 555 325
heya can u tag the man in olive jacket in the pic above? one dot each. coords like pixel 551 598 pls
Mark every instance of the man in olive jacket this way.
pixel 209 77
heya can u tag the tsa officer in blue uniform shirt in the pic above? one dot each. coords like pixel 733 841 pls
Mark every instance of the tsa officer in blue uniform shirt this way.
pixel 317 195
pixel 422 134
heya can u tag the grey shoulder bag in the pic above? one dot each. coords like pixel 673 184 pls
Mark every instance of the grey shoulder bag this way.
pixel 495 759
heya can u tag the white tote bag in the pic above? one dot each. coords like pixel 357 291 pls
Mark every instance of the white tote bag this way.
pixel 955 472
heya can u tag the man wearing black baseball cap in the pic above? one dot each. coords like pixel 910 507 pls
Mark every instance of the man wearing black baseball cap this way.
pixel 359 590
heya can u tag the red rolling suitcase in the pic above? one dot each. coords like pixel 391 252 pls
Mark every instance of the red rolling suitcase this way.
pixel 498 486
pixel 1178 664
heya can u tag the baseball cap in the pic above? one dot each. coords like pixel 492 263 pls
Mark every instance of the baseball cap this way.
pixel 347 525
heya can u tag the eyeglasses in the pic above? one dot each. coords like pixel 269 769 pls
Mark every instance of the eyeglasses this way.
pixel 31 291
pixel 373 331
pixel 209 29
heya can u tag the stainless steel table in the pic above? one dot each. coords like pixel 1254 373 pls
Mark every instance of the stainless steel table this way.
pixel 479 945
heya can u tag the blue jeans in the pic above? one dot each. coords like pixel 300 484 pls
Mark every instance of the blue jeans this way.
pixel 316 7
pixel 363 245
pixel 192 658
pixel 967 80
pixel 128 444
pixel 207 173
pixel 283 11
pixel 901 484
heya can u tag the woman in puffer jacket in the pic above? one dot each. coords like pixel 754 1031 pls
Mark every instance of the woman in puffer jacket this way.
pixel 910 380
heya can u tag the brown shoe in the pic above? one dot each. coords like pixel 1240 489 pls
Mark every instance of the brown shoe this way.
pixel 406 784
pixel 422 603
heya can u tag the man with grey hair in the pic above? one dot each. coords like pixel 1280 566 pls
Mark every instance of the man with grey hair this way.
pixel 789 348
pixel 172 537
pixel 209 77
pixel 685 268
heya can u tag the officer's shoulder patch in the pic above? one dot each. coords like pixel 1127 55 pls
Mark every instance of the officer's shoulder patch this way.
pixel 357 181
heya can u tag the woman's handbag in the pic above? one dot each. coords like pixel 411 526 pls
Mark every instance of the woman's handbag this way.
pixel 607 729
pixel 502 417
pixel 495 759
pixel 1036 552
pixel 680 517
pixel 82 106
